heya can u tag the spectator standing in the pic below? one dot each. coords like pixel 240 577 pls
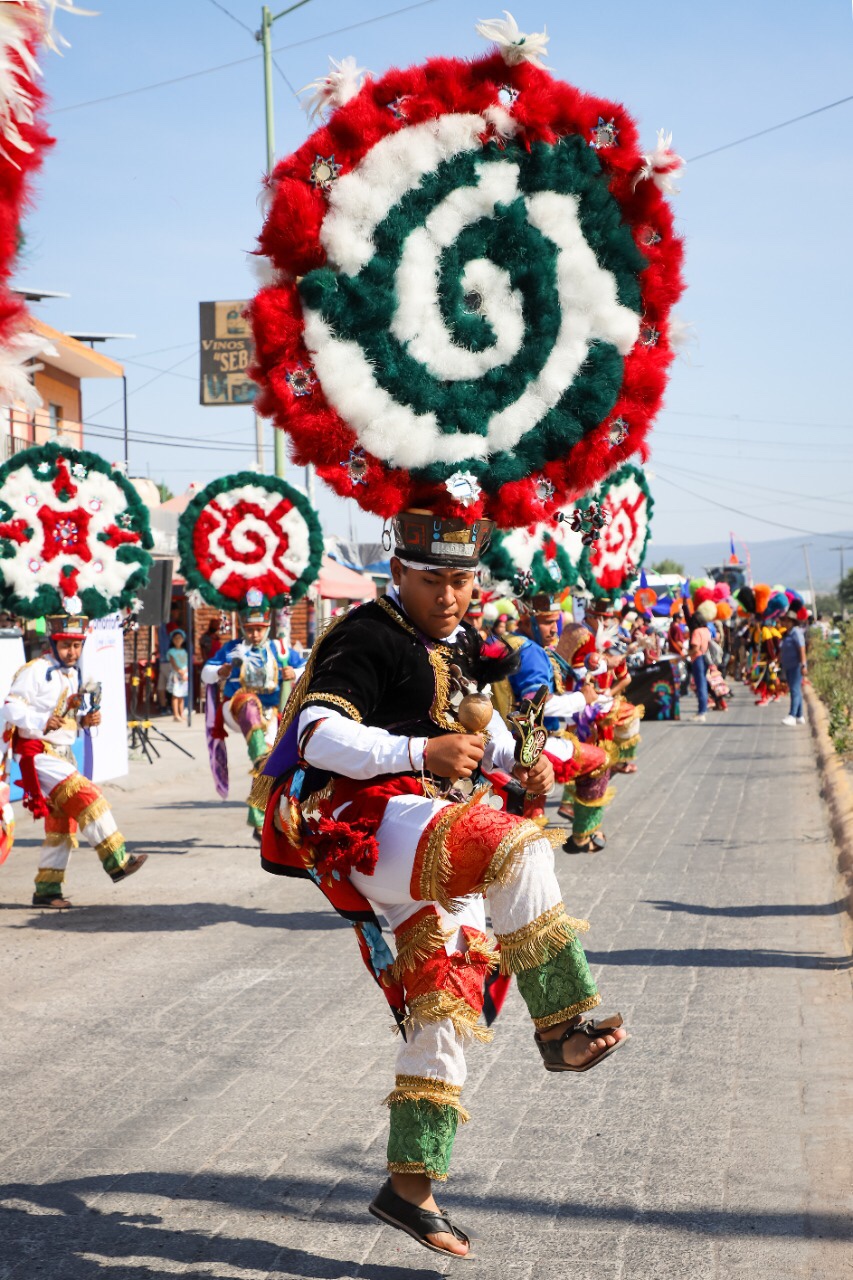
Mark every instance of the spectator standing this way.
pixel 697 655
pixel 792 657
pixel 179 672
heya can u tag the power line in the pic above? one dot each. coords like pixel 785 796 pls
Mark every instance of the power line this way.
pixel 232 16
pixel 760 422
pixel 747 515
pixel 277 66
pixel 760 488
pixel 772 129
pixel 143 385
pixel 237 62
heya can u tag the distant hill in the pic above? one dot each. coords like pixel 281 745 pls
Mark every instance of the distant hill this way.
pixel 778 561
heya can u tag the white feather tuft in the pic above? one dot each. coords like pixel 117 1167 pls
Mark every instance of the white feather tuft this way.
pixel 682 335
pixel 515 46
pixel 16 357
pixel 195 599
pixel 662 165
pixel 342 83
pixel 24 23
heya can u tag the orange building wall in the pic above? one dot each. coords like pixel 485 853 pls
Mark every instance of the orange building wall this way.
pixel 56 387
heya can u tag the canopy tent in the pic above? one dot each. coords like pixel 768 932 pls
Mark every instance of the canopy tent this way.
pixel 336 582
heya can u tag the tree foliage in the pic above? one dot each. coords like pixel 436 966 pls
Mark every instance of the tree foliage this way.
pixel 669 566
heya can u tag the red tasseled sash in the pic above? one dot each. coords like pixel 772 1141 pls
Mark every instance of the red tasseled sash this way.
pixel 26 750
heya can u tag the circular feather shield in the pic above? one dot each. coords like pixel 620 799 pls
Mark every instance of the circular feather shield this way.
pixel 246 531
pixel 612 563
pixel 472 291
pixel 74 534
pixel 543 559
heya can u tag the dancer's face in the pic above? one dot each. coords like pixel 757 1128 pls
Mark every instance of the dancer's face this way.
pixel 69 651
pixel 436 600
pixel 255 633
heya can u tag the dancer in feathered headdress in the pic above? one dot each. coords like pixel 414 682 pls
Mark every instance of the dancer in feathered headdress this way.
pixel 253 544
pixel 74 540
pixel 468 325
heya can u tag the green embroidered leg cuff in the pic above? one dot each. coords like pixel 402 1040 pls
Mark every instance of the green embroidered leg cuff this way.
pixel 257 744
pixel 560 989
pixel 49 888
pixel 421 1138
pixel 255 818
pixel 588 818
pixel 568 793
pixel 628 750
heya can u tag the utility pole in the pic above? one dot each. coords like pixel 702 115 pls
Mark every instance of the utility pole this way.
pixel 806 546
pixel 264 38
pixel 841 551
pixel 259 443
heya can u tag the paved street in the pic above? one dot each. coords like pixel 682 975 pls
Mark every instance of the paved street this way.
pixel 193 1061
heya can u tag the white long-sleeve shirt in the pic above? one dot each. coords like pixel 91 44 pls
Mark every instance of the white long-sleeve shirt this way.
pixel 339 745
pixel 33 698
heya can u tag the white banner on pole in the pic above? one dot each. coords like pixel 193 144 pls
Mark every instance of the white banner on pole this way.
pixel 103 660
pixel 11 660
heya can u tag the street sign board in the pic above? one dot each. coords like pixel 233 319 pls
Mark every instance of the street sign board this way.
pixel 226 351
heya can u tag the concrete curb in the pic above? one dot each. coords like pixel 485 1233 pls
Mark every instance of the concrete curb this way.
pixel 836 791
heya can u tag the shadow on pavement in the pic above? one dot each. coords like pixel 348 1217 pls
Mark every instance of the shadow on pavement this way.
pixel 759 909
pixel 719 958
pixel 55 1231
pixel 51 1226
pixel 174 917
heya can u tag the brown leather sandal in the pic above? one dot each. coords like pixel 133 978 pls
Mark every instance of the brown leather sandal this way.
pixel 133 864
pixel 56 903
pixel 552 1050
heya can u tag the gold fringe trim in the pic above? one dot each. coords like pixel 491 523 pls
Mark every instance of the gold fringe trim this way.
pixel 606 799
pixel 419 943
pixel 427 1089
pixel 262 787
pixel 624 744
pixel 110 844
pixel 440 712
pixel 483 950
pixel 438 1005
pixel 92 812
pixel 612 751
pixel 505 860
pixel 50 875
pixel 559 686
pixel 54 838
pixel 64 791
pixel 435 868
pixel 416 1168
pixel 336 701
pixel 538 942
pixel 566 1015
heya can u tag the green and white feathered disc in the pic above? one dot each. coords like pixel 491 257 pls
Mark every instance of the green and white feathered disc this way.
pixel 610 564
pixel 541 560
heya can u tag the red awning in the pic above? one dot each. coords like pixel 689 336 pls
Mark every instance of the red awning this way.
pixel 336 582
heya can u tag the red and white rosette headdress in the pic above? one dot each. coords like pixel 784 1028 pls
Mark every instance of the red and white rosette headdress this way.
pixel 611 563
pixel 474 265
pixel 246 533
pixel 74 535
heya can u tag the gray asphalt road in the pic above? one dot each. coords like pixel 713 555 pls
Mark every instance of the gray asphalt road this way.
pixel 192 1062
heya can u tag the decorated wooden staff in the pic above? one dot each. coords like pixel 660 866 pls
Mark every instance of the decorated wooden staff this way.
pixel 74 545
pixel 250 544
pixel 468 326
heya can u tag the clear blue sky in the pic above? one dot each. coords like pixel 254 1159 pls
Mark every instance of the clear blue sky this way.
pixel 147 205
